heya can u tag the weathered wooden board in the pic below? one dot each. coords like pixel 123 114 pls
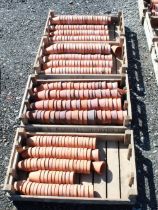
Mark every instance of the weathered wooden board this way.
pixel 154 57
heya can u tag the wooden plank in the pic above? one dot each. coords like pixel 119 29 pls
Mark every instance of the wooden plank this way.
pixel 50 15
pixel 124 49
pixel 25 96
pixel 12 161
pixel 133 192
pixel 151 34
pixel 55 199
pixel 113 177
pixel 73 128
pixel 154 57
pixel 148 31
pixel 129 108
pixel 152 40
pixel 122 24
pixel 125 170
pixel 78 76
pixel 100 180
pixel 142 10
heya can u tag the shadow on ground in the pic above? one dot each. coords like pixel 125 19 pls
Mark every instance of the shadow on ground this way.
pixel 145 177
pixel 139 123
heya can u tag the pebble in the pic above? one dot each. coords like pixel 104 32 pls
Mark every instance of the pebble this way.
pixel 155 151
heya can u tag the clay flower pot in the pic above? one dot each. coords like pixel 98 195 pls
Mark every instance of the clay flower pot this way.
pixel 117 50
pixel 120 117
pixel 84 104
pixel 119 104
pixel 114 93
pixel 114 102
pixel 85 117
pixel 73 104
pixel 98 166
pixel 75 116
pixel 94 103
pixel 95 155
pixel 91 117
pixel 108 117
pixel 114 116
pixel 99 116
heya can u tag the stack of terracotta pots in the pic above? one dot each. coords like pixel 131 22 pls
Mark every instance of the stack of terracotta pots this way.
pixel 54 161
pixel 154 7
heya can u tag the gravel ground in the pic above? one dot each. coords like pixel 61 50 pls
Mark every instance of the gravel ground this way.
pixel 22 24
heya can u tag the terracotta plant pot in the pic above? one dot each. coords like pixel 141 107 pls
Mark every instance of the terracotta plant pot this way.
pixel 79 48
pixel 99 166
pixel 95 155
pixel 117 50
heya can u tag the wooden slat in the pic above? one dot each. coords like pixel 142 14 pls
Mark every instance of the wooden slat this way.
pixel 100 180
pixel 113 185
pixel 148 31
pixel 77 200
pixel 72 128
pixel 80 76
pixel 154 57
pixel 142 10
pixel 129 108
pixel 125 170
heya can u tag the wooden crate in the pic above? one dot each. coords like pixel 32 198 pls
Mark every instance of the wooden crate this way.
pixel 154 57
pixel 151 29
pixel 120 65
pixel 117 184
pixel 33 80
pixel 151 32
pixel 143 8
pixel 117 28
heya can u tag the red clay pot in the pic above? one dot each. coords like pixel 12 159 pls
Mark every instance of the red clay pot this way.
pixel 98 166
pixel 91 117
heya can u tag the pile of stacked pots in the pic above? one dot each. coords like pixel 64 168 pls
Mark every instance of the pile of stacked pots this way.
pixel 53 163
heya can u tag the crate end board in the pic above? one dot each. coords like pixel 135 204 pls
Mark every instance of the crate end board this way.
pixel 121 178
pixel 52 199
